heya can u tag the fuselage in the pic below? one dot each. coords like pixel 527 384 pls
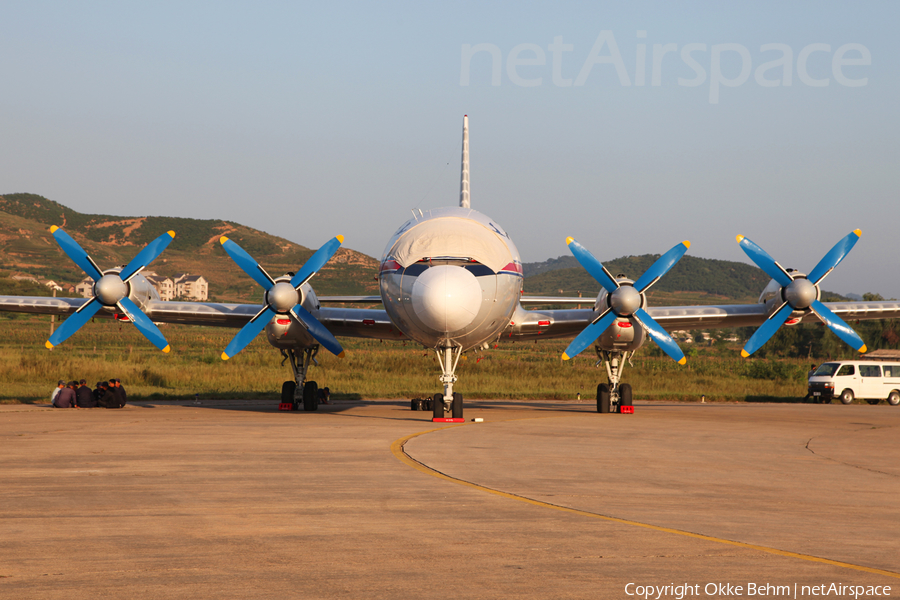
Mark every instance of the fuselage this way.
pixel 450 277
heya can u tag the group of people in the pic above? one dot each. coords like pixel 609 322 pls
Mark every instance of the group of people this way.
pixel 109 394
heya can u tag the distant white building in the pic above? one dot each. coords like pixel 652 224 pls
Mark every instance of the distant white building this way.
pixel 191 287
pixel 165 287
pixel 85 288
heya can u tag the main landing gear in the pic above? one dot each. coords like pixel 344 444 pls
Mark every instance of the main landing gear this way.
pixel 449 401
pixel 300 392
pixel 614 396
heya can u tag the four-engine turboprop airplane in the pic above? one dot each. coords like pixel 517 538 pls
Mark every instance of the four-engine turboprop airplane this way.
pixel 451 280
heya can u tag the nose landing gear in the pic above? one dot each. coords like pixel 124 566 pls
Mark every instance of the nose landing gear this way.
pixel 615 396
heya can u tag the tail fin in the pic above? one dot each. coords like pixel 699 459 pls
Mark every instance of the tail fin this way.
pixel 464 175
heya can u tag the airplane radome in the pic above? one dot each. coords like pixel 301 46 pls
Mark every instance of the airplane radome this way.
pixel 451 280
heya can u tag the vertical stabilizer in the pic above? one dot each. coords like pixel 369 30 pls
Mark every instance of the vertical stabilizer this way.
pixel 464 175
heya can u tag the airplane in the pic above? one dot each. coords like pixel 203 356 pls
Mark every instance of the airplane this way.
pixel 451 279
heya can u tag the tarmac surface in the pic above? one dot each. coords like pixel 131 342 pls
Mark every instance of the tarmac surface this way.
pixel 233 499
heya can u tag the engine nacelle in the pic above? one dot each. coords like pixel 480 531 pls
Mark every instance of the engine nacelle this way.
pixel 283 331
pixel 625 334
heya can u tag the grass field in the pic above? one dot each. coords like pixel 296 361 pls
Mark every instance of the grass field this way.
pixel 372 369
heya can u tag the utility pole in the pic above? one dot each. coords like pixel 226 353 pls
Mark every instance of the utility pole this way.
pixel 52 318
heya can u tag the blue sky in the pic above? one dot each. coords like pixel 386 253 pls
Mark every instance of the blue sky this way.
pixel 312 120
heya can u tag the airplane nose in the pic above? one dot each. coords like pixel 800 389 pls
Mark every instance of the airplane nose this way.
pixel 446 297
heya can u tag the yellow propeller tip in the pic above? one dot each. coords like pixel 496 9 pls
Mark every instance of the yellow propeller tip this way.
pixel 171 234
pixel 167 348
pixel 569 240
pixel 342 354
pixel 862 350
pixel 739 239
pixel 744 353
pixel 225 356
pixel 682 361
pixel 687 243
pixel 564 355
pixel 48 345
pixel 858 232
pixel 340 238
pixel 53 228
pixel 223 239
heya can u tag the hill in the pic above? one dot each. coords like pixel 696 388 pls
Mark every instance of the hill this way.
pixel 692 281
pixel 27 247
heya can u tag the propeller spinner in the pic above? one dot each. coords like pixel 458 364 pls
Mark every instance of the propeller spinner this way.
pixel 800 292
pixel 282 298
pixel 111 289
pixel 626 300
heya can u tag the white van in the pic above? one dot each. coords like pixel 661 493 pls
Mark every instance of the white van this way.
pixel 848 379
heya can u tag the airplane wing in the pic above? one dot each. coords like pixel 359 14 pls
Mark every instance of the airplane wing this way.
pixel 348 322
pixel 566 323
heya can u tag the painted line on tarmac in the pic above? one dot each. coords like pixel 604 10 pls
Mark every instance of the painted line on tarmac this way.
pixel 398 450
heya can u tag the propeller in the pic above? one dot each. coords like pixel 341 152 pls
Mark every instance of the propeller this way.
pixel 625 300
pixel 800 292
pixel 282 297
pixel 111 289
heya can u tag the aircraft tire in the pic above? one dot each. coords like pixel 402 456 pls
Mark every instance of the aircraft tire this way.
pixel 427 404
pixel 457 405
pixel 287 393
pixel 625 395
pixel 438 406
pixel 415 404
pixel 310 396
pixel 846 397
pixel 893 398
pixel 603 398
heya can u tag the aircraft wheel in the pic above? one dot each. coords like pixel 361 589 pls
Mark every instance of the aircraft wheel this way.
pixel 625 396
pixel 438 406
pixel 457 405
pixel 287 393
pixel 415 404
pixel 894 398
pixel 873 401
pixel 427 404
pixel 603 398
pixel 310 396
pixel 846 397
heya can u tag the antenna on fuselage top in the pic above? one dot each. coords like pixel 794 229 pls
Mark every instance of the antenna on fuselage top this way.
pixel 464 175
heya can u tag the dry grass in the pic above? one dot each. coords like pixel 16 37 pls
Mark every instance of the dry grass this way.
pixel 372 369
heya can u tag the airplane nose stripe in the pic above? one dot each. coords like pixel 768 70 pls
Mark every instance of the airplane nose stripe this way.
pixel 446 298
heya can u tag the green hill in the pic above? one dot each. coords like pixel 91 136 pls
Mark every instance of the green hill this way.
pixel 27 247
pixel 692 281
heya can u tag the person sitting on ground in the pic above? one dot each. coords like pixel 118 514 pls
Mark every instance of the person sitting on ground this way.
pixel 110 397
pixel 122 394
pixel 66 396
pixel 84 397
pixel 324 396
pixel 99 391
pixel 59 385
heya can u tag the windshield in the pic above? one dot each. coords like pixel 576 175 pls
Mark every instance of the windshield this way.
pixel 827 369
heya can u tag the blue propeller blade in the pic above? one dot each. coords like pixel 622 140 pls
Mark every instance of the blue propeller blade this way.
pixel 838 326
pixel 317 261
pixel 590 333
pixel 318 331
pixel 143 323
pixel 660 336
pixel 766 330
pixel 75 252
pixel 247 263
pixel 74 322
pixel 593 266
pixel 249 332
pixel 661 267
pixel 764 261
pixel 834 258
pixel 147 255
